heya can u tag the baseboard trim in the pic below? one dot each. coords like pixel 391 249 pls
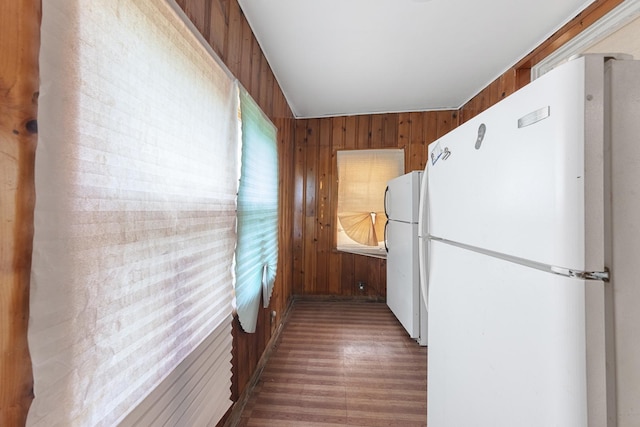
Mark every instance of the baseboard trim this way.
pixel 350 298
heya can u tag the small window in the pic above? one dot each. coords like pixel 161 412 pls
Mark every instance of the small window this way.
pixel 362 179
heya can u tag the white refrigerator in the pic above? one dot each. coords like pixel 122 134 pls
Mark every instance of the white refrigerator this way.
pixel 529 239
pixel 401 205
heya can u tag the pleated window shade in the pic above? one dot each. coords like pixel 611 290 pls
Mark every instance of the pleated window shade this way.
pixel 257 251
pixel 362 179
pixel 136 180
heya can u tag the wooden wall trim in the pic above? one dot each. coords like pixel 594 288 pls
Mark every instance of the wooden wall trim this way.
pixel 19 50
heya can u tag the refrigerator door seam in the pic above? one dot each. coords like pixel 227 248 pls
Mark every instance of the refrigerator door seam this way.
pixel 562 271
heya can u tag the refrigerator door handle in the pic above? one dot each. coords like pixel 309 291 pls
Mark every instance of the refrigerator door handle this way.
pixel 602 276
pixel 423 265
pixel 423 241
pixel 584 275
pixel 386 224
pixel 386 192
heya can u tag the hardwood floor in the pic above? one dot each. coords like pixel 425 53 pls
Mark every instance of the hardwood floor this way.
pixel 341 364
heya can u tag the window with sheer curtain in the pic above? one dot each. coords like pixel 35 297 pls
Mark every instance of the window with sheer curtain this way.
pixel 257 251
pixel 362 179
pixel 136 181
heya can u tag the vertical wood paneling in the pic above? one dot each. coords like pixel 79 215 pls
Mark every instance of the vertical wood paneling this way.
pixel 390 135
pixel 415 155
pixel 361 270
pixel 507 83
pixel 377 130
pixel 219 26
pixel 325 270
pixel 404 133
pixel 284 110
pixel 447 120
pixel 311 144
pixel 376 286
pixel 245 57
pixel 197 11
pixel 348 272
pixel 256 62
pixel 350 137
pixel 429 131
pixel 283 289
pixel 19 48
pixel 299 205
pixel 494 91
pixel 233 49
pixel 278 102
pixel 325 236
pixel 311 220
pixel 267 87
pixel 338 135
pixel 310 281
pixel 363 136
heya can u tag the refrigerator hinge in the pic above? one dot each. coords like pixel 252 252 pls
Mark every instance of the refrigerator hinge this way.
pixel 584 275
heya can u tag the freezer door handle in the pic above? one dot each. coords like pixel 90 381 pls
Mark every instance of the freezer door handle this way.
pixel 423 249
pixel 386 224
pixel 423 265
pixel 386 192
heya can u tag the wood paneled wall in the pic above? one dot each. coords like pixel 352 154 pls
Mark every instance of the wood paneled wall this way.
pixel 19 49
pixel 318 268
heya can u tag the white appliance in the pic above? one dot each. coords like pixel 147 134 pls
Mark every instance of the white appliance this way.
pixel 401 205
pixel 530 234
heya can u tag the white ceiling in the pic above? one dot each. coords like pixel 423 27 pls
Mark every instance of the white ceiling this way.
pixel 348 57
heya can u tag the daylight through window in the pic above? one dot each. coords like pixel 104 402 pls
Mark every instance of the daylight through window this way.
pixel 362 179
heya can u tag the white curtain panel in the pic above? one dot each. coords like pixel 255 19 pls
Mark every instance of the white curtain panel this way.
pixel 136 180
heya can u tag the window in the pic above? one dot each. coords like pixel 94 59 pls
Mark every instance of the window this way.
pixel 136 180
pixel 257 251
pixel 362 179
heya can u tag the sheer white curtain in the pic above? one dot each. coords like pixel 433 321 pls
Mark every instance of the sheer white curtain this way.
pixel 136 180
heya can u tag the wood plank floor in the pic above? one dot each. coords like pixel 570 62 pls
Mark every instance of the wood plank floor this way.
pixel 341 364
